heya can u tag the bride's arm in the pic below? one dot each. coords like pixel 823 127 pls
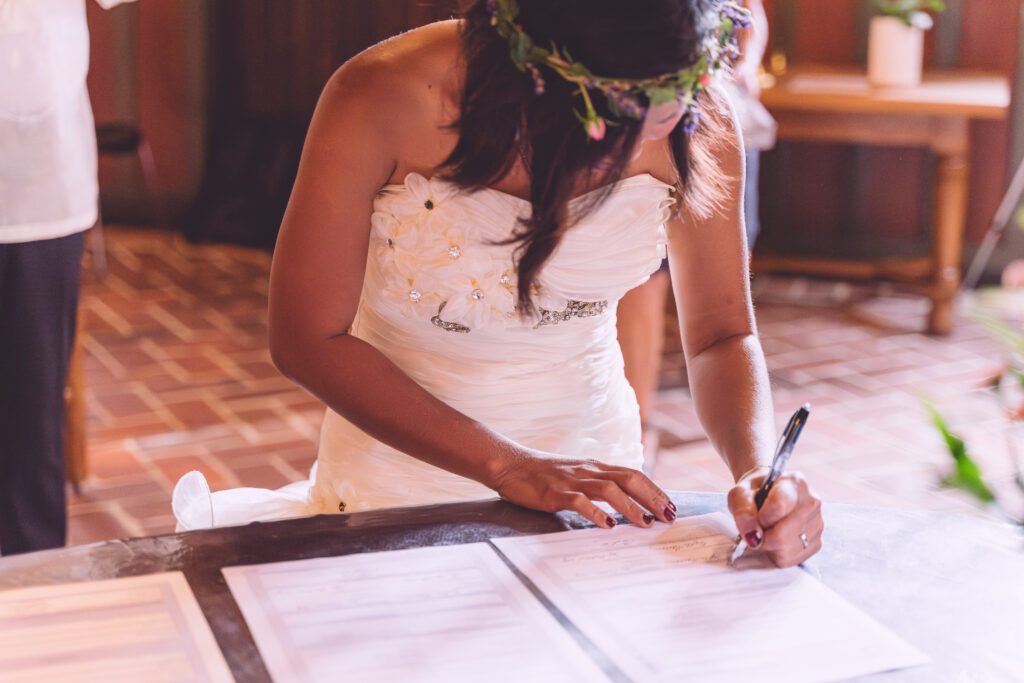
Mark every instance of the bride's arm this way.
pixel 351 150
pixel 725 363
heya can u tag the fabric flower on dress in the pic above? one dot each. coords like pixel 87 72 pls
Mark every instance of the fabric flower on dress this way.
pixel 477 297
pixel 425 199
pixel 416 296
pixel 397 242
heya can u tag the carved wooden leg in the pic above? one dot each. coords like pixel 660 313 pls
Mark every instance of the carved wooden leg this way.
pixel 947 238
pixel 74 415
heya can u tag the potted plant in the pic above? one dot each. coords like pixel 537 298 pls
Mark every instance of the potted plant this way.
pixel 1001 312
pixel 896 41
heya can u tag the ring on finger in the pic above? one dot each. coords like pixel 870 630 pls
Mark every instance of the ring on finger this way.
pixel 804 541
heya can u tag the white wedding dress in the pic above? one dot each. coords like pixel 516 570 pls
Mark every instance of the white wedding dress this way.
pixel 438 300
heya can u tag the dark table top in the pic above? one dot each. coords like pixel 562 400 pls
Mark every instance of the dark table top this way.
pixel 952 585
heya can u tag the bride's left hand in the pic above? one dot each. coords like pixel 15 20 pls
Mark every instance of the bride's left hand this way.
pixel 788 526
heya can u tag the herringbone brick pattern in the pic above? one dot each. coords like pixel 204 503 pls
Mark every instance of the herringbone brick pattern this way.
pixel 179 378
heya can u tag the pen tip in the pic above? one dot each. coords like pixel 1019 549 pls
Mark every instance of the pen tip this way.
pixel 807 407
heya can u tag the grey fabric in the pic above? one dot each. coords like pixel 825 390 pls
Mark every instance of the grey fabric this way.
pixel 39 283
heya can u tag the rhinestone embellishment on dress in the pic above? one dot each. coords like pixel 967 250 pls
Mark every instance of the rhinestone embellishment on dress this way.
pixel 454 252
pixel 449 327
pixel 573 309
pixel 415 295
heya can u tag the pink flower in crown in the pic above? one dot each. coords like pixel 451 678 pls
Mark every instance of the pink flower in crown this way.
pixel 596 128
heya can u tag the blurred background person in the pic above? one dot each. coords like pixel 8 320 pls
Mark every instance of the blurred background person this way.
pixel 641 312
pixel 48 199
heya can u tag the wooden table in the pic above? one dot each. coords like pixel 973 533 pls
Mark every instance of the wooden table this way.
pixel 949 584
pixel 828 104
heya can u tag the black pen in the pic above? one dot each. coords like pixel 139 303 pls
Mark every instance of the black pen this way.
pixel 785 449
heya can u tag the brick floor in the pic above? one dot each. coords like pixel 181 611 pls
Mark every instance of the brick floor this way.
pixel 179 377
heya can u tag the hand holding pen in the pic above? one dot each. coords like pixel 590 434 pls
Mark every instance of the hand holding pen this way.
pixel 777 512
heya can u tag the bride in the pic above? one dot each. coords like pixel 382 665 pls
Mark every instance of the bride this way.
pixel 474 198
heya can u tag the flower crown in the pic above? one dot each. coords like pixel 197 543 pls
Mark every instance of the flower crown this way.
pixel 627 97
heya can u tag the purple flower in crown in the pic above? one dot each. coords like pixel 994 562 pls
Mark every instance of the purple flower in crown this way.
pixel 625 103
pixel 691 119
pixel 538 79
pixel 739 16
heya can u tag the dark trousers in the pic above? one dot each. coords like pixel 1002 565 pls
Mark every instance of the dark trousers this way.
pixel 38 308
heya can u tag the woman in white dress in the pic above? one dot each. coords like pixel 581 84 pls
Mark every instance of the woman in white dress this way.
pixel 474 198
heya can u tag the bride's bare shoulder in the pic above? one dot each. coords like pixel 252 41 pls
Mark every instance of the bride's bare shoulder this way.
pixel 405 77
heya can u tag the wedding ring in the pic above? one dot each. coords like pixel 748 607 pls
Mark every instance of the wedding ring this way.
pixel 804 541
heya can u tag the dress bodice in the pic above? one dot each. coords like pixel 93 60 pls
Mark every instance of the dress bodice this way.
pixel 440 255
pixel 439 301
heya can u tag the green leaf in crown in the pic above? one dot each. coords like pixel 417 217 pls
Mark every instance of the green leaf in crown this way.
pixel 626 97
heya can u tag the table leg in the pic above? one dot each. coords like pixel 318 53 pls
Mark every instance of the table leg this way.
pixel 75 454
pixel 947 238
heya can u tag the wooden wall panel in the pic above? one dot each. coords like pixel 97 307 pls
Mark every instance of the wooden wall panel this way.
pixel 990 42
pixel 146 64
pixel 278 55
pixel 825 30
pixel 171 107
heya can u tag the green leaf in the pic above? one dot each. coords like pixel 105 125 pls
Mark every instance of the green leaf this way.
pixel 1003 333
pixel 662 95
pixel 904 10
pixel 966 474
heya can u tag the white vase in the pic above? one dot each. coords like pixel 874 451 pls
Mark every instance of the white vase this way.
pixel 895 53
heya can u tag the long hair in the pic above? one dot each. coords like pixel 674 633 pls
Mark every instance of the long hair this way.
pixel 501 119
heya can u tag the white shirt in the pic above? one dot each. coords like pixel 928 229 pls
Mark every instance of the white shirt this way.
pixel 48 182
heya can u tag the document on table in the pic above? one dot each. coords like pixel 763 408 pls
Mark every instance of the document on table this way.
pixel 663 605
pixel 450 613
pixel 143 628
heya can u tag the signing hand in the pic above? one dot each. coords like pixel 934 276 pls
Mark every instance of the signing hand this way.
pixel 551 483
pixel 788 527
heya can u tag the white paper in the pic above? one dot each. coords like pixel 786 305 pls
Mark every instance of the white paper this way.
pixel 450 613
pixel 144 628
pixel 664 606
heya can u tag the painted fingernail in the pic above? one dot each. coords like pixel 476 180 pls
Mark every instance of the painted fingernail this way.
pixel 673 506
pixel 753 538
pixel 670 514
pixel 648 518
pixel 610 521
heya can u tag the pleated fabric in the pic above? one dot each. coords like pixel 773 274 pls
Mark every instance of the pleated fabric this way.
pixel 438 300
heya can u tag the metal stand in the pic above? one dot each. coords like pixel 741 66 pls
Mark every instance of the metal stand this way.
pixel 996 230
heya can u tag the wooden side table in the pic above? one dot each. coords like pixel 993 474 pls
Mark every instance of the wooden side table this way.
pixel 829 104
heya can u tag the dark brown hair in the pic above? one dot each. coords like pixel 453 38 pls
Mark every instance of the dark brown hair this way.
pixel 502 118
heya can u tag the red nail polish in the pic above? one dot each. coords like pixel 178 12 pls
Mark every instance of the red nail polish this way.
pixel 648 518
pixel 673 506
pixel 753 538
pixel 670 514
pixel 610 521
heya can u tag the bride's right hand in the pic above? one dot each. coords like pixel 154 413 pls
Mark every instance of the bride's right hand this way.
pixel 551 483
